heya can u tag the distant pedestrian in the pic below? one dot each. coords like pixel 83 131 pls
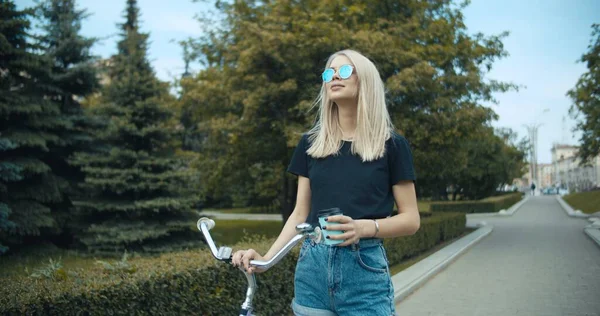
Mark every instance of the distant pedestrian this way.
pixel 532 188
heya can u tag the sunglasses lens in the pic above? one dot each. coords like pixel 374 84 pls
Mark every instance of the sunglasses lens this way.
pixel 345 71
pixel 328 75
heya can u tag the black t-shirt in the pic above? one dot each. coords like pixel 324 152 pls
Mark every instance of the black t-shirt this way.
pixel 362 190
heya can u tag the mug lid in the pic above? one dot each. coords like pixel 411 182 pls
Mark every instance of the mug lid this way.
pixel 330 211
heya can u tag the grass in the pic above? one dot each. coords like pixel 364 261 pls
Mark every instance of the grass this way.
pixel 229 232
pixel 495 198
pixel 238 210
pixel 27 260
pixel 587 202
pixel 424 206
pixel 411 261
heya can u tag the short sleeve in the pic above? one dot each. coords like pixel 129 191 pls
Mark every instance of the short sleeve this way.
pixel 299 163
pixel 401 160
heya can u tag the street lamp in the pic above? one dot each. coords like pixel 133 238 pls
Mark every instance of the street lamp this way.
pixel 532 129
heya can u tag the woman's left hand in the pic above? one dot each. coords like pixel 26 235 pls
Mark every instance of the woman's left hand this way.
pixel 353 229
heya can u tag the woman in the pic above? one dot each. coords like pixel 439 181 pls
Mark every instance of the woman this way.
pixel 352 160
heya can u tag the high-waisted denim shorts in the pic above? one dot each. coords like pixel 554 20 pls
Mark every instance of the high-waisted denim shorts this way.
pixel 351 280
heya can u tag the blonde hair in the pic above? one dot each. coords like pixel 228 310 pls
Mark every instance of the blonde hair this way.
pixel 373 123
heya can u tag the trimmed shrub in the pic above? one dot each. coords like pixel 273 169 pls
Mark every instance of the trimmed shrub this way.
pixel 487 205
pixel 434 230
pixel 188 282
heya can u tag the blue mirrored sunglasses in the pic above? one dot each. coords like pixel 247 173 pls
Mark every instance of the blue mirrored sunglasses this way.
pixel 345 71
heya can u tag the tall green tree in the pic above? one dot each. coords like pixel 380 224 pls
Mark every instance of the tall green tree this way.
pixel 586 100
pixel 262 76
pixel 74 75
pixel 494 160
pixel 140 193
pixel 28 123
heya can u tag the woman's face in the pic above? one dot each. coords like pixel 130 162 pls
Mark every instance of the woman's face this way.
pixel 342 89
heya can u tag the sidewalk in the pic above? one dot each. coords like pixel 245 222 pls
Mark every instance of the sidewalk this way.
pixel 537 262
pixel 250 217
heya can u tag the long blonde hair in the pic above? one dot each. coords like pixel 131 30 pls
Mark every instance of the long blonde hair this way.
pixel 373 123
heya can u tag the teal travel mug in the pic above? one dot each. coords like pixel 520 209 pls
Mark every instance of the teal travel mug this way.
pixel 323 214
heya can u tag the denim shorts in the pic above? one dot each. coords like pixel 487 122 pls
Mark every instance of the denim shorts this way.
pixel 351 280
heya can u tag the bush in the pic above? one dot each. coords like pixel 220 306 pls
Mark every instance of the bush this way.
pixel 189 282
pixel 487 205
pixel 434 230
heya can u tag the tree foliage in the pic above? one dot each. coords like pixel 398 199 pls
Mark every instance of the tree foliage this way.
pixel 251 102
pixel 29 125
pixel 263 71
pixel 493 159
pixel 73 74
pixel 586 100
pixel 140 195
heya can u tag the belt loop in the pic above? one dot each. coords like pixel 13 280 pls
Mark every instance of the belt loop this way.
pixel 355 247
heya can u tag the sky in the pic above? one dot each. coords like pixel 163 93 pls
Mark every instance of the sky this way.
pixel 546 40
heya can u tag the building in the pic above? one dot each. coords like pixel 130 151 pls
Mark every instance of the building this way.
pixel 561 153
pixel 568 174
pixel 545 175
pixel 564 172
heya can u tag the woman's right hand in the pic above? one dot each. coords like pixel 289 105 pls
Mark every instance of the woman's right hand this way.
pixel 243 257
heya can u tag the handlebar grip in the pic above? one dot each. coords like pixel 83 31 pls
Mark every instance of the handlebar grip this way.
pixel 210 224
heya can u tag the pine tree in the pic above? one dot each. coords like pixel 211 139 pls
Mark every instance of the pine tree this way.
pixel 140 197
pixel 28 188
pixel 74 75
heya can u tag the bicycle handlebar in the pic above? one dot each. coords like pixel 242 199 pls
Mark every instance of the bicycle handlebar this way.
pixel 205 224
pixel 224 253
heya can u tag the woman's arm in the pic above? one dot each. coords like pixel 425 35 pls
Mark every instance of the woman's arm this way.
pixel 407 222
pixel 298 216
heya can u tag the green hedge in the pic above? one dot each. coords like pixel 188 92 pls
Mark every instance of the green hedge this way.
pixel 434 230
pixel 487 205
pixel 189 282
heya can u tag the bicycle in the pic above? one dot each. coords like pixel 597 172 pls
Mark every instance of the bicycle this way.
pixel 224 254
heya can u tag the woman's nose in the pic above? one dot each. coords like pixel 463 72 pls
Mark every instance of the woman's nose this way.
pixel 336 75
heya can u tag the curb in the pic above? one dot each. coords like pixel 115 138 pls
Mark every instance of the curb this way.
pixel 592 231
pixel 510 212
pixel 594 234
pixel 410 279
pixel 569 210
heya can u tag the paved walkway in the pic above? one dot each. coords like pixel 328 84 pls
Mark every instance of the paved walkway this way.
pixel 537 262
pixel 250 217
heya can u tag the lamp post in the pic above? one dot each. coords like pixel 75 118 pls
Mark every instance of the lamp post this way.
pixel 532 130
